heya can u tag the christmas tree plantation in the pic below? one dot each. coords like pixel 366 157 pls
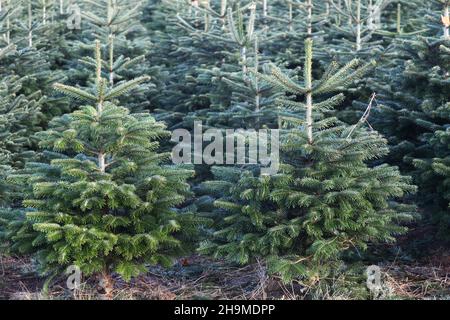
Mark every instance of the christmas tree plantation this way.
pixel 356 90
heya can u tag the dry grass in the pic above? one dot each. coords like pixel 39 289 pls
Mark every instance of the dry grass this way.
pixel 202 278
pixel 418 281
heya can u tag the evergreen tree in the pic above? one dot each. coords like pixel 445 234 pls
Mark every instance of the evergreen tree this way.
pixel 40 39
pixel 413 93
pixel 326 200
pixel 251 100
pixel 117 24
pixel 19 115
pixel 18 121
pixel 202 43
pixel 431 159
pixel 434 169
pixel 105 200
pixel 398 106
pixel 30 45
pixel 209 50
pixel 402 18
pixel 379 41
pixel 361 18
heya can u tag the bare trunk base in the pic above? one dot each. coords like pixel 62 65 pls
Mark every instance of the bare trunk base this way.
pixel 106 286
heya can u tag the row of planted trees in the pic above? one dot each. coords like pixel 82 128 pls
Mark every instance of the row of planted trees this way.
pixel 86 180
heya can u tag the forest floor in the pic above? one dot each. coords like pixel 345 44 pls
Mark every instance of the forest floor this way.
pixel 202 278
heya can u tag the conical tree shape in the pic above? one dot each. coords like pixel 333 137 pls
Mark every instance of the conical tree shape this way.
pixel 105 200
pixel 325 201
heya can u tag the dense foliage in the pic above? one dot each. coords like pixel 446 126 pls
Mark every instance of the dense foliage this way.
pixel 325 200
pixel 359 89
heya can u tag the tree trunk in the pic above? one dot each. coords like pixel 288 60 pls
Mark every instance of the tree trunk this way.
pixel 371 17
pixel 107 284
pixel 358 26
pixel 309 7
pixel 30 24
pixel 44 13
pixel 399 18
pixel 309 93
pixel 111 59
pixel 223 12
pixel 447 28
pixel 258 95
pixel 309 120
pixel 350 5
pixel 291 17
pixel 244 59
pixel 338 18
pixel 8 26
pixel 102 162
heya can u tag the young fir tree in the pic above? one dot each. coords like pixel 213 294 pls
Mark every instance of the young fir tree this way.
pixel 213 40
pixel 293 22
pixel 216 45
pixel 428 73
pixel 9 138
pixel 397 106
pixel 209 41
pixel 325 201
pixel 117 24
pixel 434 164
pixel 364 28
pixel 251 101
pixel 402 18
pixel 251 108
pixel 413 92
pixel 237 97
pixel 105 201
pixel 19 113
pixel 380 43
pixel 39 56
pixel 177 54
pixel 19 120
pixel 355 33
pixel 26 62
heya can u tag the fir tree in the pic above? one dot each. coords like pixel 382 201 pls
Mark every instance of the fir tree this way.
pixel 104 201
pixel 222 44
pixel 413 93
pixel 355 34
pixel 39 41
pixel 117 24
pixel 19 118
pixel 431 159
pixel 251 103
pixel 403 19
pixel 214 40
pixel 380 42
pixel 326 200
pixel 434 169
